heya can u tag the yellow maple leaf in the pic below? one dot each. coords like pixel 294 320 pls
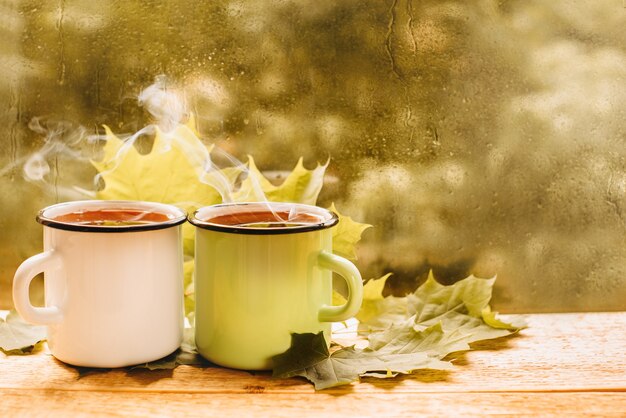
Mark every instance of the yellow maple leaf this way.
pixel 372 295
pixel 189 290
pixel 176 171
pixel 346 235
pixel 300 186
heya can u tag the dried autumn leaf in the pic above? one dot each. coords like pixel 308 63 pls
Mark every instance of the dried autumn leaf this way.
pixel 18 336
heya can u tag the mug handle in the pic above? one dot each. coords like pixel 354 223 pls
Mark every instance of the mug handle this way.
pixel 26 272
pixel 351 275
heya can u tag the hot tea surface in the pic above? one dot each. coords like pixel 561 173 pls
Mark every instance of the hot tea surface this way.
pixel 113 217
pixel 266 219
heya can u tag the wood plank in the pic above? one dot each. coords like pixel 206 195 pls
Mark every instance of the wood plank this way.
pixel 558 352
pixel 60 403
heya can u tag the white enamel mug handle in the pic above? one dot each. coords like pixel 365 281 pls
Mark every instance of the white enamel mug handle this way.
pixel 351 275
pixel 46 261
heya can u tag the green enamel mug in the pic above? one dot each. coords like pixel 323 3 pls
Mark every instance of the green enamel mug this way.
pixel 264 271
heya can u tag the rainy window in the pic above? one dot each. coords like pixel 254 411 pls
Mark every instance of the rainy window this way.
pixel 481 138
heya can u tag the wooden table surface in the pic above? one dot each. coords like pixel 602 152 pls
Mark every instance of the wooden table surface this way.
pixel 562 365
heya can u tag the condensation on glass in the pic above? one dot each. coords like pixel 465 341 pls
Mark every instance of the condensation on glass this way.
pixel 477 137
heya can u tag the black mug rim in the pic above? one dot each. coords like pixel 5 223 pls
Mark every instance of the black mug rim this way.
pixel 330 219
pixel 180 218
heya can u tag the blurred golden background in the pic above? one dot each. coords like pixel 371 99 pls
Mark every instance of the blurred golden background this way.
pixel 482 137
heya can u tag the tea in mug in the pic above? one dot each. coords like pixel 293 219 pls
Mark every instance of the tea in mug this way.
pixel 266 219
pixel 113 217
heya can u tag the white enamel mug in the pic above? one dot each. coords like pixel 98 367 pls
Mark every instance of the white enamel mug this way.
pixel 113 293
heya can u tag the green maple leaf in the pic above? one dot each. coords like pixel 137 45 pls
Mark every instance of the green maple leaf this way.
pixel 470 295
pixel 309 357
pixel 454 333
pixel 412 332
pixel 380 314
pixel 18 336
pixel 433 302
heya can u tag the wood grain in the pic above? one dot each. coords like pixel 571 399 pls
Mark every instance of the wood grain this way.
pixel 563 363
pixel 58 402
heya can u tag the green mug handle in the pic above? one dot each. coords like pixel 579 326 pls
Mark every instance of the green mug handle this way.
pixel 351 275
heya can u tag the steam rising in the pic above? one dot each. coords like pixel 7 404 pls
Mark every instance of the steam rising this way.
pixel 60 138
pixel 166 104
pixel 62 142
pixel 168 107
